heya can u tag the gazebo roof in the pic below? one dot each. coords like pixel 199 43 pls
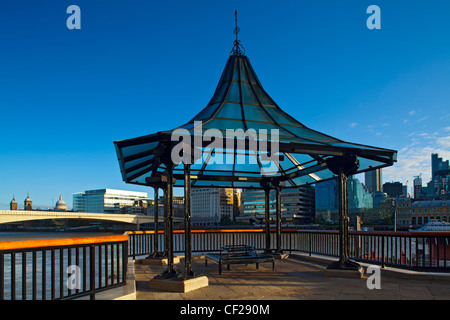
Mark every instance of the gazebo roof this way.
pixel 242 139
pixel 241 103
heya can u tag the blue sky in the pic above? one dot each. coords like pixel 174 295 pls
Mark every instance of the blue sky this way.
pixel 137 67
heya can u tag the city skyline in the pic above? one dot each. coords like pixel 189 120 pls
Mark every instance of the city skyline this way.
pixel 64 92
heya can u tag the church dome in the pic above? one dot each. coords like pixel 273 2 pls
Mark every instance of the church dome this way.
pixel 61 205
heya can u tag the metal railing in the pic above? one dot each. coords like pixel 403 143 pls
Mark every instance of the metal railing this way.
pixel 62 268
pixel 408 250
pixel 40 270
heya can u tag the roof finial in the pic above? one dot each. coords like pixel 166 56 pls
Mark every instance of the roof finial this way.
pixel 238 49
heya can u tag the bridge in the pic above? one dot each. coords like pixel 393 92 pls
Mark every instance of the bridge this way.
pixel 8 216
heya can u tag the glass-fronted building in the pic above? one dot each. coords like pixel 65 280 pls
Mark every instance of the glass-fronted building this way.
pixel 327 204
pixel 105 200
pixel 297 205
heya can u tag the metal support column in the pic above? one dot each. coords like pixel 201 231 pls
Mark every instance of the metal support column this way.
pixel 170 268
pixel 166 222
pixel 278 219
pixel 267 214
pixel 187 222
pixel 156 206
pixel 343 166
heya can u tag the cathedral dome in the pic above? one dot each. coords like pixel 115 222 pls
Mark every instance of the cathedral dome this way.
pixel 61 205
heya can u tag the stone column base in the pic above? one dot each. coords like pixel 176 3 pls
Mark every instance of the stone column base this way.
pixel 344 273
pixel 159 261
pixel 178 284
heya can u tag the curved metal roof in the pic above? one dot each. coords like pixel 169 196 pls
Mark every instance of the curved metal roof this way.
pixel 232 148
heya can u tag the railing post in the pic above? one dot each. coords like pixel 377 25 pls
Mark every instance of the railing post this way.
pixel 92 271
pixel 133 243
pixel 34 268
pixel 124 261
pixel 310 243
pixel 382 252
pixel 24 275
pixel 2 276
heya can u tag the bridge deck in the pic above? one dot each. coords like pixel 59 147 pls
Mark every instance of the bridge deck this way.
pixel 8 216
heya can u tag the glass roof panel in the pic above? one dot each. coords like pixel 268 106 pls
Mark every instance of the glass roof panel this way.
pixel 256 113
pixel 281 118
pixel 250 72
pixel 131 150
pixel 248 95
pixel 233 94
pixel 311 134
pixel 230 111
pixel 223 124
pixel 263 96
pixel 242 71
pixel 206 113
pixel 269 126
pixel 138 161
pixel 227 72
pixel 219 95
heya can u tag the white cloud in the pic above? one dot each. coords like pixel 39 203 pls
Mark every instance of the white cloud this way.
pixel 444 142
pixel 412 112
pixel 415 158
pixel 353 124
pixel 423 118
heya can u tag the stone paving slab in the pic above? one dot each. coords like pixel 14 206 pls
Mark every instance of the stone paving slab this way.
pixel 292 279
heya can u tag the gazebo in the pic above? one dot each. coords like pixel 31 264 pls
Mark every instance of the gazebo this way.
pixel 243 139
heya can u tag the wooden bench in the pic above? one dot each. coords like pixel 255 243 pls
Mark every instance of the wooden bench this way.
pixel 238 254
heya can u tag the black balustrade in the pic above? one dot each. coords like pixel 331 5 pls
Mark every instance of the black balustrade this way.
pixel 43 273
pixel 63 271
pixel 416 251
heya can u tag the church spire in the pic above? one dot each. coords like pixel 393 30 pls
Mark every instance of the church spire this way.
pixel 238 49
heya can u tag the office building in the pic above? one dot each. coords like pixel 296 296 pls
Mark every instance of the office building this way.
pixel 297 206
pixel 105 200
pixel 327 199
pixel 373 180
pixel 210 206
pixel 417 182
pixel 393 189
pixel 438 187
pixel 438 166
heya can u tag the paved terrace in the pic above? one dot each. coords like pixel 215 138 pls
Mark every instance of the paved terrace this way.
pixel 295 278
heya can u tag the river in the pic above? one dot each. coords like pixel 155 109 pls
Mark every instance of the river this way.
pixel 22 236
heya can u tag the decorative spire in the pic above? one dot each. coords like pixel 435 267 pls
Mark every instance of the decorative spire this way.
pixel 238 49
